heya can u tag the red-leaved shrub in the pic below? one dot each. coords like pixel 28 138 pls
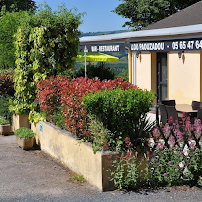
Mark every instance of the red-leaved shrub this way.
pixel 68 93
pixel 6 84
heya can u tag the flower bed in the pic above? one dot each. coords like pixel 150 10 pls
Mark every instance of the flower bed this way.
pixel 177 154
pixel 125 106
pixel 174 158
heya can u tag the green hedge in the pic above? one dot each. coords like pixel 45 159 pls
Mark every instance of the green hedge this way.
pixel 4 109
pixel 120 111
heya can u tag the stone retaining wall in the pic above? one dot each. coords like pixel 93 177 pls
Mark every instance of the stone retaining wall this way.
pixel 78 156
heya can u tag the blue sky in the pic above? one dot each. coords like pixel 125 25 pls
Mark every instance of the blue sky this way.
pixel 99 16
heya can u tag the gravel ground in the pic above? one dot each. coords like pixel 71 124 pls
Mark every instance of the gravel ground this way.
pixel 35 176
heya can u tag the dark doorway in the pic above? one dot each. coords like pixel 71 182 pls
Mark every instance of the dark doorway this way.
pixel 162 77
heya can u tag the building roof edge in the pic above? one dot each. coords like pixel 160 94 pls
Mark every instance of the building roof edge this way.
pixel 172 31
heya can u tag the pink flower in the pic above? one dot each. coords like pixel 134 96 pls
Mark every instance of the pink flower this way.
pixel 170 120
pixel 116 157
pixel 128 154
pixel 106 146
pixel 183 116
pixel 169 162
pixel 165 174
pixel 127 140
pixel 172 143
pixel 155 132
pixel 179 135
pixel 197 122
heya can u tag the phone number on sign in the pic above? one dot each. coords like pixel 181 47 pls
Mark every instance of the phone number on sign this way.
pixel 187 45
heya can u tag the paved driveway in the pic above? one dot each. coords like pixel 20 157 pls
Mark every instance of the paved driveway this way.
pixel 34 176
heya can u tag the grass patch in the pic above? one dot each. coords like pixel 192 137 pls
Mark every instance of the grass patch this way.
pixel 77 178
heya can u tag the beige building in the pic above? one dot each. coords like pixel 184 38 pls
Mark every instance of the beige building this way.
pixel 165 57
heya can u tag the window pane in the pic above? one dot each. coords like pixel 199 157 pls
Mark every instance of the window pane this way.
pixel 164 92
pixel 164 72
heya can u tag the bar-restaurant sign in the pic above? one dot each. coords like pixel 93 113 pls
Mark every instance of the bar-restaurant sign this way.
pixel 176 45
pixel 108 47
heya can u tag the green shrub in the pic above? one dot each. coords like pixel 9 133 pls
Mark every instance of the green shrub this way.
pixel 121 112
pixel 10 21
pixel 101 70
pixel 125 171
pixel 24 133
pixel 4 109
pixel 58 118
pixel 100 135
pixel 4 121
pixel 129 170
pixel 6 93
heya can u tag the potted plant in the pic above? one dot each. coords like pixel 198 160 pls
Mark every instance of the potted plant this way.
pixel 4 126
pixel 24 138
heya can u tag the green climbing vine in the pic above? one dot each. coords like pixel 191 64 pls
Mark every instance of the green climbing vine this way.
pixel 46 44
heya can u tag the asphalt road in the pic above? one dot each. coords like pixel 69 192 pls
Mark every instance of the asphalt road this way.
pixel 34 176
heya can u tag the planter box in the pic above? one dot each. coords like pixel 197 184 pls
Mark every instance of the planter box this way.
pixel 20 121
pixel 79 157
pixel 5 129
pixel 25 144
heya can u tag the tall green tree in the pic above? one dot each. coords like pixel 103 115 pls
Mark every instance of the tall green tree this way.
pixel 141 13
pixel 9 22
pixel 46 44
pixel 17 5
